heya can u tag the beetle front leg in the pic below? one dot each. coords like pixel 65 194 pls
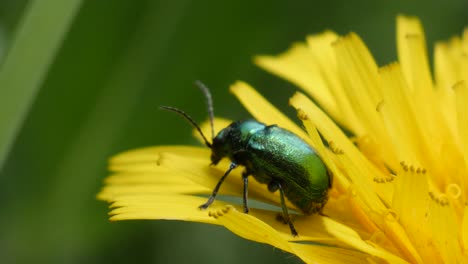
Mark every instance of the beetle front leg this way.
pixel 216 189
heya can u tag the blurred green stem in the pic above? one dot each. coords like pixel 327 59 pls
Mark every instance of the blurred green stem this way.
pixel 36 41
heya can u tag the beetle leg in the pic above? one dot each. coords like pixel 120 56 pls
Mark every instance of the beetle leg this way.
pixel 216 189
pixel 274 185
pixel 245 177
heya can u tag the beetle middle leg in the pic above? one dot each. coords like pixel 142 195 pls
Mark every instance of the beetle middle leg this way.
pixel 272 187
pixel 216 189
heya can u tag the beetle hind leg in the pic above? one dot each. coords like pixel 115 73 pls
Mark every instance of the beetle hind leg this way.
pixel 273 186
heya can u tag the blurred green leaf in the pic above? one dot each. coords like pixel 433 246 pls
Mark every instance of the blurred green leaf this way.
pixel 26 64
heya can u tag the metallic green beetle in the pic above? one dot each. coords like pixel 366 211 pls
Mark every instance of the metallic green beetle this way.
pixel 273 156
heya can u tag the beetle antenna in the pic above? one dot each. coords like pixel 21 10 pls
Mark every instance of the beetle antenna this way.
pixel 209 104
pixel 189 119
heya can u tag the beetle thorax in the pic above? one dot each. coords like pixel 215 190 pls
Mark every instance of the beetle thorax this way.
pixel 233 139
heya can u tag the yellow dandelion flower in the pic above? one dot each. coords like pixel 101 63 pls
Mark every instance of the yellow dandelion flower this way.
pixel 400 183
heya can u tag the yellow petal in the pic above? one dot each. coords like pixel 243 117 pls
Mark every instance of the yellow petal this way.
pixel 353 239
pixel 445 230
pixel 447 73
pixel 322 48
pixel 412 54
pixel 399 117
pixel 316 253
pixel 147 176
pixel 313 68
pixel 461 92
pixel 249 227
pixel 162 206
pixel 147 158
pixel 299 66
pixel 357 68
pixel 395 232
pixel 410 203
pixel 464 233
pixel 415 67
pixel 111 193
pixel 359 75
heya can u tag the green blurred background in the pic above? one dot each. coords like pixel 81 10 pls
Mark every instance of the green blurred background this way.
pixel 83 82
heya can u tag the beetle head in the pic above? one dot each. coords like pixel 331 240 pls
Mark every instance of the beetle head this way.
pixel 221 146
